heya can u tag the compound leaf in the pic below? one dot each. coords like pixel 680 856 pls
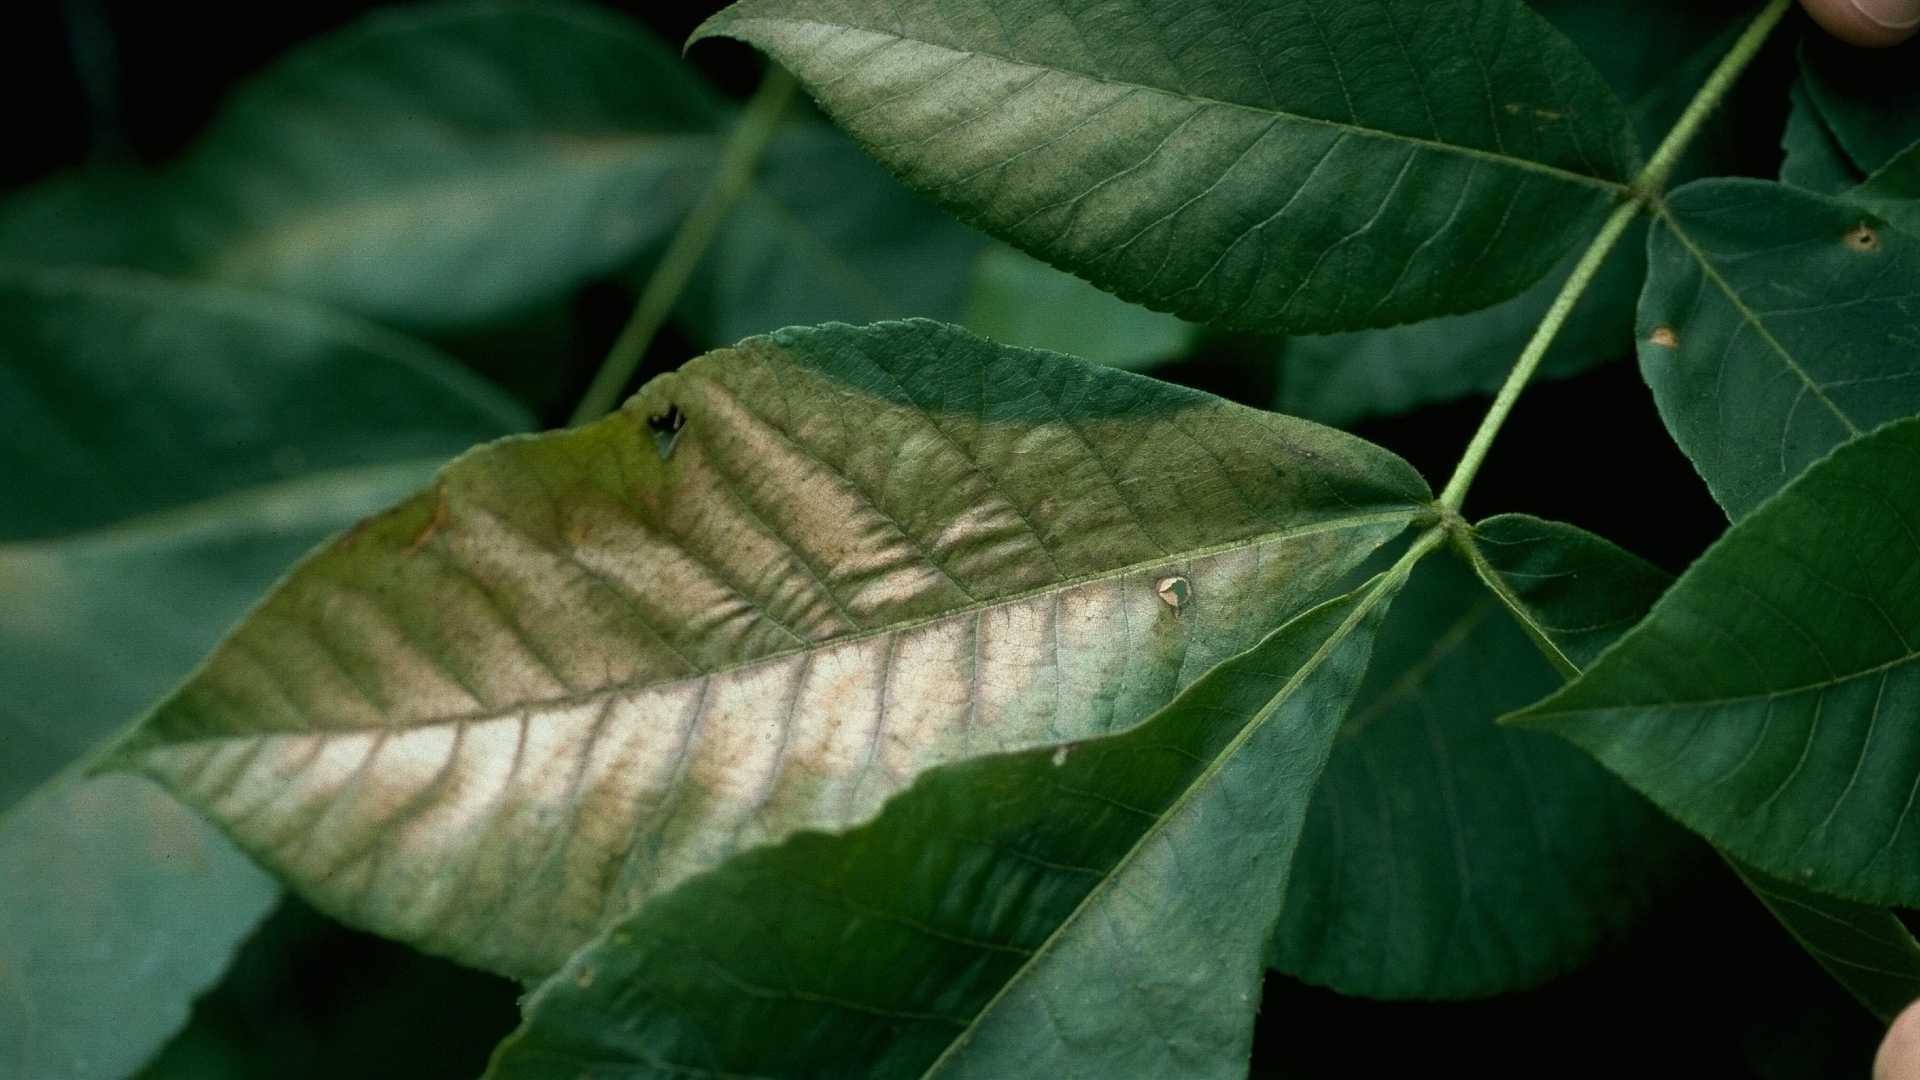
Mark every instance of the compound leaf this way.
pixel 1775 325
pixel 765 595
pixel 1763 701
pixel 1448 857
pixel 1282 164
pixel 1094 910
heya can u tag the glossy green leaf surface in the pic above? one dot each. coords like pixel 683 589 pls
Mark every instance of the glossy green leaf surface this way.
pixel 169 450
pixel 427 167
pixel 1016 299
pixel 1764 701
pixel 1866 949
pixel 775 587
pixel 1093 910
pixel 1270 165
pixel 1775 325
pixel 1447 857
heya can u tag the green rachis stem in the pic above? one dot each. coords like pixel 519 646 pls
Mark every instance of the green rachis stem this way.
pixel 1644 193
pixel 738 162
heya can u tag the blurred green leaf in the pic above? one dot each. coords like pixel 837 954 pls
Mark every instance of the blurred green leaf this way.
pixel 170 450
pixel 1776 324
pixel 1447 857
pixel 1093 910
pixel 1767 700
pixel 823 562
pixel 427 167
pixel 1019 300
pixel 1894 192
pixel 1226 165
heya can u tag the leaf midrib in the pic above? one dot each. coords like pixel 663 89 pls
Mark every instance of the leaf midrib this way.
pixel 1380 586
pixel 1614 187
pixel 588 697
pixel 1839 679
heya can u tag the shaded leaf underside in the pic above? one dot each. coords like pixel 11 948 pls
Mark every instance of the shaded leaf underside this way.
pixel 763 597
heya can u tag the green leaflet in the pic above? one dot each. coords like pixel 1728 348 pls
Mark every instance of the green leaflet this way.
pixel 1092 910
pixel 1761 702
pixel 168 451
pixel 1445 856
pixel 1273 165
pixel 1775 325
pixel 774 588
pixel 1867 97
pixel 1866 949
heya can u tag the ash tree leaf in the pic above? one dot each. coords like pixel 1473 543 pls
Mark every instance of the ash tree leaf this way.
pixel 1814 159
pixel 429 168
pixel 1445 856
pixel 1764 701
pixel 169 450
pixel 1275 165
pixel 1093 910
pixel 1866 949
pixel 1654 56
pixel 1775 325
pixel 1867 97
pixel 775 587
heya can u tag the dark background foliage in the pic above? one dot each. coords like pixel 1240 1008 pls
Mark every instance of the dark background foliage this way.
pixel 1710 986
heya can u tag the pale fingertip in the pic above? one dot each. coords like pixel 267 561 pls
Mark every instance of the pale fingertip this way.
pixel 1875 24
pixel 1899 1056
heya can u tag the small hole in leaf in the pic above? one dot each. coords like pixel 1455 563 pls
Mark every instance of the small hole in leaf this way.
pixel 666 429
pixel 1664 337
pixel 1863 238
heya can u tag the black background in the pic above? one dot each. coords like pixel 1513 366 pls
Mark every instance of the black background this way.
pixel 1710 986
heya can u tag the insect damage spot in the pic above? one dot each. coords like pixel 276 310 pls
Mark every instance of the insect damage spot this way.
pixel 666 429
pixel 1863 238
pixel 1174 592
pixel 1664 337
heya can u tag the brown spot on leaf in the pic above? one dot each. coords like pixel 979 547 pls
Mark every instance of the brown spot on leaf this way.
pixel 584 978
pixel 1664 337
pixel 1863 238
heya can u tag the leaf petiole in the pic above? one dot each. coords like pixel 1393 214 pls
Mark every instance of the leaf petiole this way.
pixel 738 162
